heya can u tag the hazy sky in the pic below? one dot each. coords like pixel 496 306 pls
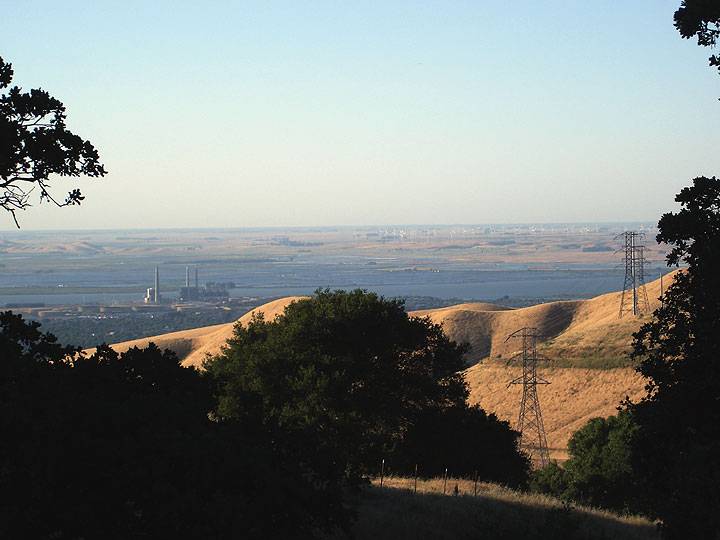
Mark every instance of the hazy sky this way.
pixel 338 113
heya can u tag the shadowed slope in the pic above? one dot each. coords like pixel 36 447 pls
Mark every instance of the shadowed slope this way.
pixel 395 512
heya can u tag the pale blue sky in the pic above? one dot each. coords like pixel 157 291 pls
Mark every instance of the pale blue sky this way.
pixel 338 113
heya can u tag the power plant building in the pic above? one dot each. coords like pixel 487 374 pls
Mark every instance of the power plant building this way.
pixel 211 292
pixel 152 294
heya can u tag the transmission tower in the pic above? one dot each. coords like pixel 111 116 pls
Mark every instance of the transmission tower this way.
pixel 530 423
pixel 634 286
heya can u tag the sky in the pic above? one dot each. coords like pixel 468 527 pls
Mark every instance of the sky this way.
pixel 255 114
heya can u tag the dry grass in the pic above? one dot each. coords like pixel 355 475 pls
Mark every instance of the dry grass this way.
pixel 571 330
pixel 585 337
pixel 395 512
pixel 578 335
pixel 573 397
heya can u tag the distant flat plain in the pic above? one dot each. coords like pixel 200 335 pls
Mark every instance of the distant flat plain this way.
pixel 514 264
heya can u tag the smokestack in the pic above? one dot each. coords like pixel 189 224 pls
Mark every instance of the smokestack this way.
pixel 187 276
pixel 196 278
pixel 157 286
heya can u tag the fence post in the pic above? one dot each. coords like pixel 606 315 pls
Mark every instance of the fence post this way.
pixel 444 480
pixel 382 472
pixel 475 490
pixel 415 488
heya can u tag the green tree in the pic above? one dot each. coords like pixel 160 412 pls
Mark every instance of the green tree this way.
pixel 700 18
pixel 348 379
pixel 676 449
pixel 600 468
pixel 599 471
pixel 551 479
pixel 35 145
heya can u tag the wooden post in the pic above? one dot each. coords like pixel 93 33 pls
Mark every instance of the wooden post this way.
pixel 475 489
pixel 382 472
pixel 415 488
pixel 444 480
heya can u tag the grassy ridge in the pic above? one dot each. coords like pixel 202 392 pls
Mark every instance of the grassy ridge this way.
pixel 395 512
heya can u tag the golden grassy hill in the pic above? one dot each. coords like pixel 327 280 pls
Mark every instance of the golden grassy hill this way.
pixel 577 335
pixel 574 396
pixel 573 331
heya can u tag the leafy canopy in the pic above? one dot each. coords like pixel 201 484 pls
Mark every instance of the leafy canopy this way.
pixel 351 379
pixel 35 145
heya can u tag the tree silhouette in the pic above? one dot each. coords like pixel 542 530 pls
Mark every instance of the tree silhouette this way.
pixel 676 450
pixel 35 144
pixel 121 446
pixel 700 18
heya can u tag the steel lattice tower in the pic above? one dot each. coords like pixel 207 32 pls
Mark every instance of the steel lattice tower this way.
pixel 634 276
pixel 530 423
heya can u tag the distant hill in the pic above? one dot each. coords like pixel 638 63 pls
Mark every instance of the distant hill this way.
pixel 579 337
pixel 192 346
pixel 575 332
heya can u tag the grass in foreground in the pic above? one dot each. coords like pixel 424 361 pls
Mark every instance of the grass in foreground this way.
pixel 395 512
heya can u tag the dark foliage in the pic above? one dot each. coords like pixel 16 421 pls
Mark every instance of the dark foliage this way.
pixel 701 19
pixel 122 447
pixel 600 468
pixel 677 447
pixel 350 379
pixel 599 472
pixel 35 144
pixel 551 480
pixel 465 440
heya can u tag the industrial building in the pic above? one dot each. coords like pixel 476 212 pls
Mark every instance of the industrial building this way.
pixel 210 292
pixel 152 294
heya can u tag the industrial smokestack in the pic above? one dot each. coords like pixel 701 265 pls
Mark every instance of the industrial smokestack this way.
pixel 187 276
pixel 156 299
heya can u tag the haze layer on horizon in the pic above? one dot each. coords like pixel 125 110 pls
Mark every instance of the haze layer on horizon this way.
pixel 225 114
